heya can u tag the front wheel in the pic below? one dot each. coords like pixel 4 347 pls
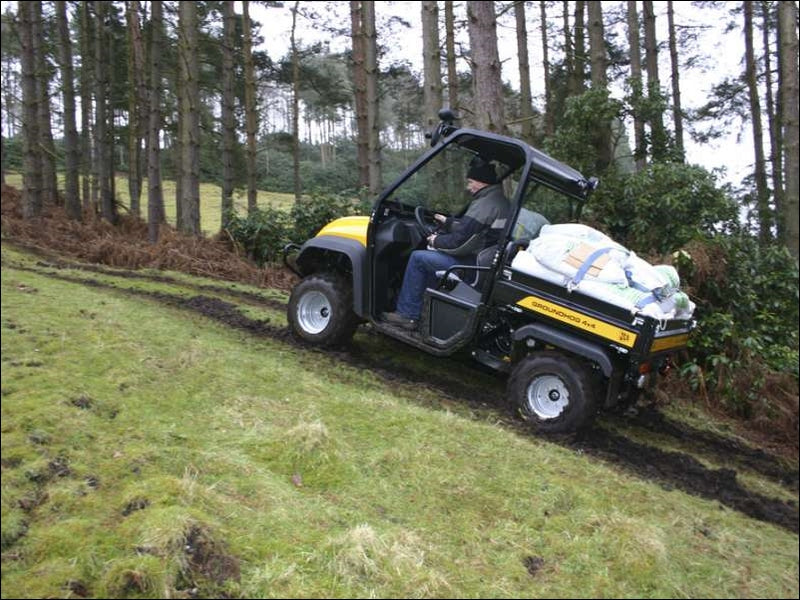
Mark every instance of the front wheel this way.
pixel 552 392
pixel 321 310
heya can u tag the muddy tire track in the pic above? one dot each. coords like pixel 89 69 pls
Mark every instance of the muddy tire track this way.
pixel 673 470
pixel 249 297
pixel 725 449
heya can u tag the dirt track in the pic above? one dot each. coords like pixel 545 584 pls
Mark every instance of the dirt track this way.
pixel 672 470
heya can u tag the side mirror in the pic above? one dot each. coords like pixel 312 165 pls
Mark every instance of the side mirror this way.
pixel 444 128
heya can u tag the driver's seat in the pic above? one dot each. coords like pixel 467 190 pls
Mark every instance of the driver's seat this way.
pixel 475 279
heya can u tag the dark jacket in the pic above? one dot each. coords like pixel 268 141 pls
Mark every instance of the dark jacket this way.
pixel 486 217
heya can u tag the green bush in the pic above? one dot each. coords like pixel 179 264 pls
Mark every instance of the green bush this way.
pixel 747 297
pixel 662 207
pixel 311 215
pixel 264 233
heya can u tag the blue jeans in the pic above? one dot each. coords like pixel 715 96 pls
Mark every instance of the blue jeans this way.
pixel 420 274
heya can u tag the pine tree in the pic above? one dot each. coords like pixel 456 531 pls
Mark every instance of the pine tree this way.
pixel 787 23
pixel 31 176
pixel 526 97
pixel 155 193
pixel 762 191
pixel 71 194
pixel 228 117
pixel 250 108
pixel 486 67
pixel 190 130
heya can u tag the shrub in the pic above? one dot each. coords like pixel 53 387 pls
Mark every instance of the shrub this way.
pixel 262 234
pixel 747 297
pixel 311 215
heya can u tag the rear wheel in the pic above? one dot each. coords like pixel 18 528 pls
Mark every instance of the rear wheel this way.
pixel 321 310
pixel 553 392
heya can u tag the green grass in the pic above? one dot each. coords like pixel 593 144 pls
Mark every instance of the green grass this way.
pixel 147 450
pixel 210 199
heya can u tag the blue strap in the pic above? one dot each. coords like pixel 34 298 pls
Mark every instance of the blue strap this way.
pixel 587 264
pixel 635 285
pixel 649 299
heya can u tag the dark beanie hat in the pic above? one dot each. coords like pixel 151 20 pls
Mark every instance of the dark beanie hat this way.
pixel 480 170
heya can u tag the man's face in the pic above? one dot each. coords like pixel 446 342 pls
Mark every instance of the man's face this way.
pixel 474 186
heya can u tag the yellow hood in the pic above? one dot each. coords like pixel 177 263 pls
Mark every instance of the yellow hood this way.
pixel 354 228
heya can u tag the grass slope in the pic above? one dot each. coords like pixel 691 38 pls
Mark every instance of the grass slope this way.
pixel 148 451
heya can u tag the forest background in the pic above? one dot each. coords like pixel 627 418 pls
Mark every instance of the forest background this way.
pixel 185 92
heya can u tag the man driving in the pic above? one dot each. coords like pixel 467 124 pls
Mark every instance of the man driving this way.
pixel 457 241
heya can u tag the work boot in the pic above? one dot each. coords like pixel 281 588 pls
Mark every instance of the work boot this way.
pixel 395 318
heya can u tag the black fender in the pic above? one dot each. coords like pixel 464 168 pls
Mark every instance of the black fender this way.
pixel 566 341
pixel 334 253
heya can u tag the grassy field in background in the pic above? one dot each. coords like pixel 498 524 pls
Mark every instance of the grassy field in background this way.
pixel 210 199
pixel 149 451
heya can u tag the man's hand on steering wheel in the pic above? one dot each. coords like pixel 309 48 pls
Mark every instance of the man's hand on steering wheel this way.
pixel 423 221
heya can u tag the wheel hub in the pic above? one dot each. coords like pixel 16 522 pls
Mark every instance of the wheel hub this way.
pixel 313 312
pixel 547 397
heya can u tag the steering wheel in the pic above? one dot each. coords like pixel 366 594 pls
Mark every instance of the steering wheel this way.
pixel 424 227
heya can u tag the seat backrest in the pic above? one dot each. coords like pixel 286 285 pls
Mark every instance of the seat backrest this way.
pixel 484 259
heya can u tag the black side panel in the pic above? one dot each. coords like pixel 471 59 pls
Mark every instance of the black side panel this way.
pixel 571 343
pixel 328 251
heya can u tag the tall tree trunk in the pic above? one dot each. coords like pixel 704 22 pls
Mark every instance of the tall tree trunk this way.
pixel 87 61
pixel 108 207
pixel 432 63
pixel 640 144
pixel 569 49
pixel 250 108
pixel 190 146
pixel 135 105
pixel 576 79
pixel 177 151
pixel 486 67
pixel 373 112
pixel 658 134
pixel 228 107
pixel 762 191
pixel 48 147
pixel 32 165
pixel 787 24
pixel 677 111
pixel 295 106
pixel 155 193
pixel 432 90
pixel 360 91
pixel 549 122
pixel 597 45
pixel 774 129
pixel 525 95
pixel 71 196
pixel 450 47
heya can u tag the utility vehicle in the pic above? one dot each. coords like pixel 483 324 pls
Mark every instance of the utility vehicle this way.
pixel 567 355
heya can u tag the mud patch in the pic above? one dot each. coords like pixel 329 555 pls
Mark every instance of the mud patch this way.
pixel 77 587
pixel 207 561
pixel 32 499
pixel 249 297
pixel 725 449
pixel 533 564
pixel 59 467
pixel 684 472
pixel 134 505
pixel 83 401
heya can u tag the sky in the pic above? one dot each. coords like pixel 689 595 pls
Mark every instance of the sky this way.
pixel 733 152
